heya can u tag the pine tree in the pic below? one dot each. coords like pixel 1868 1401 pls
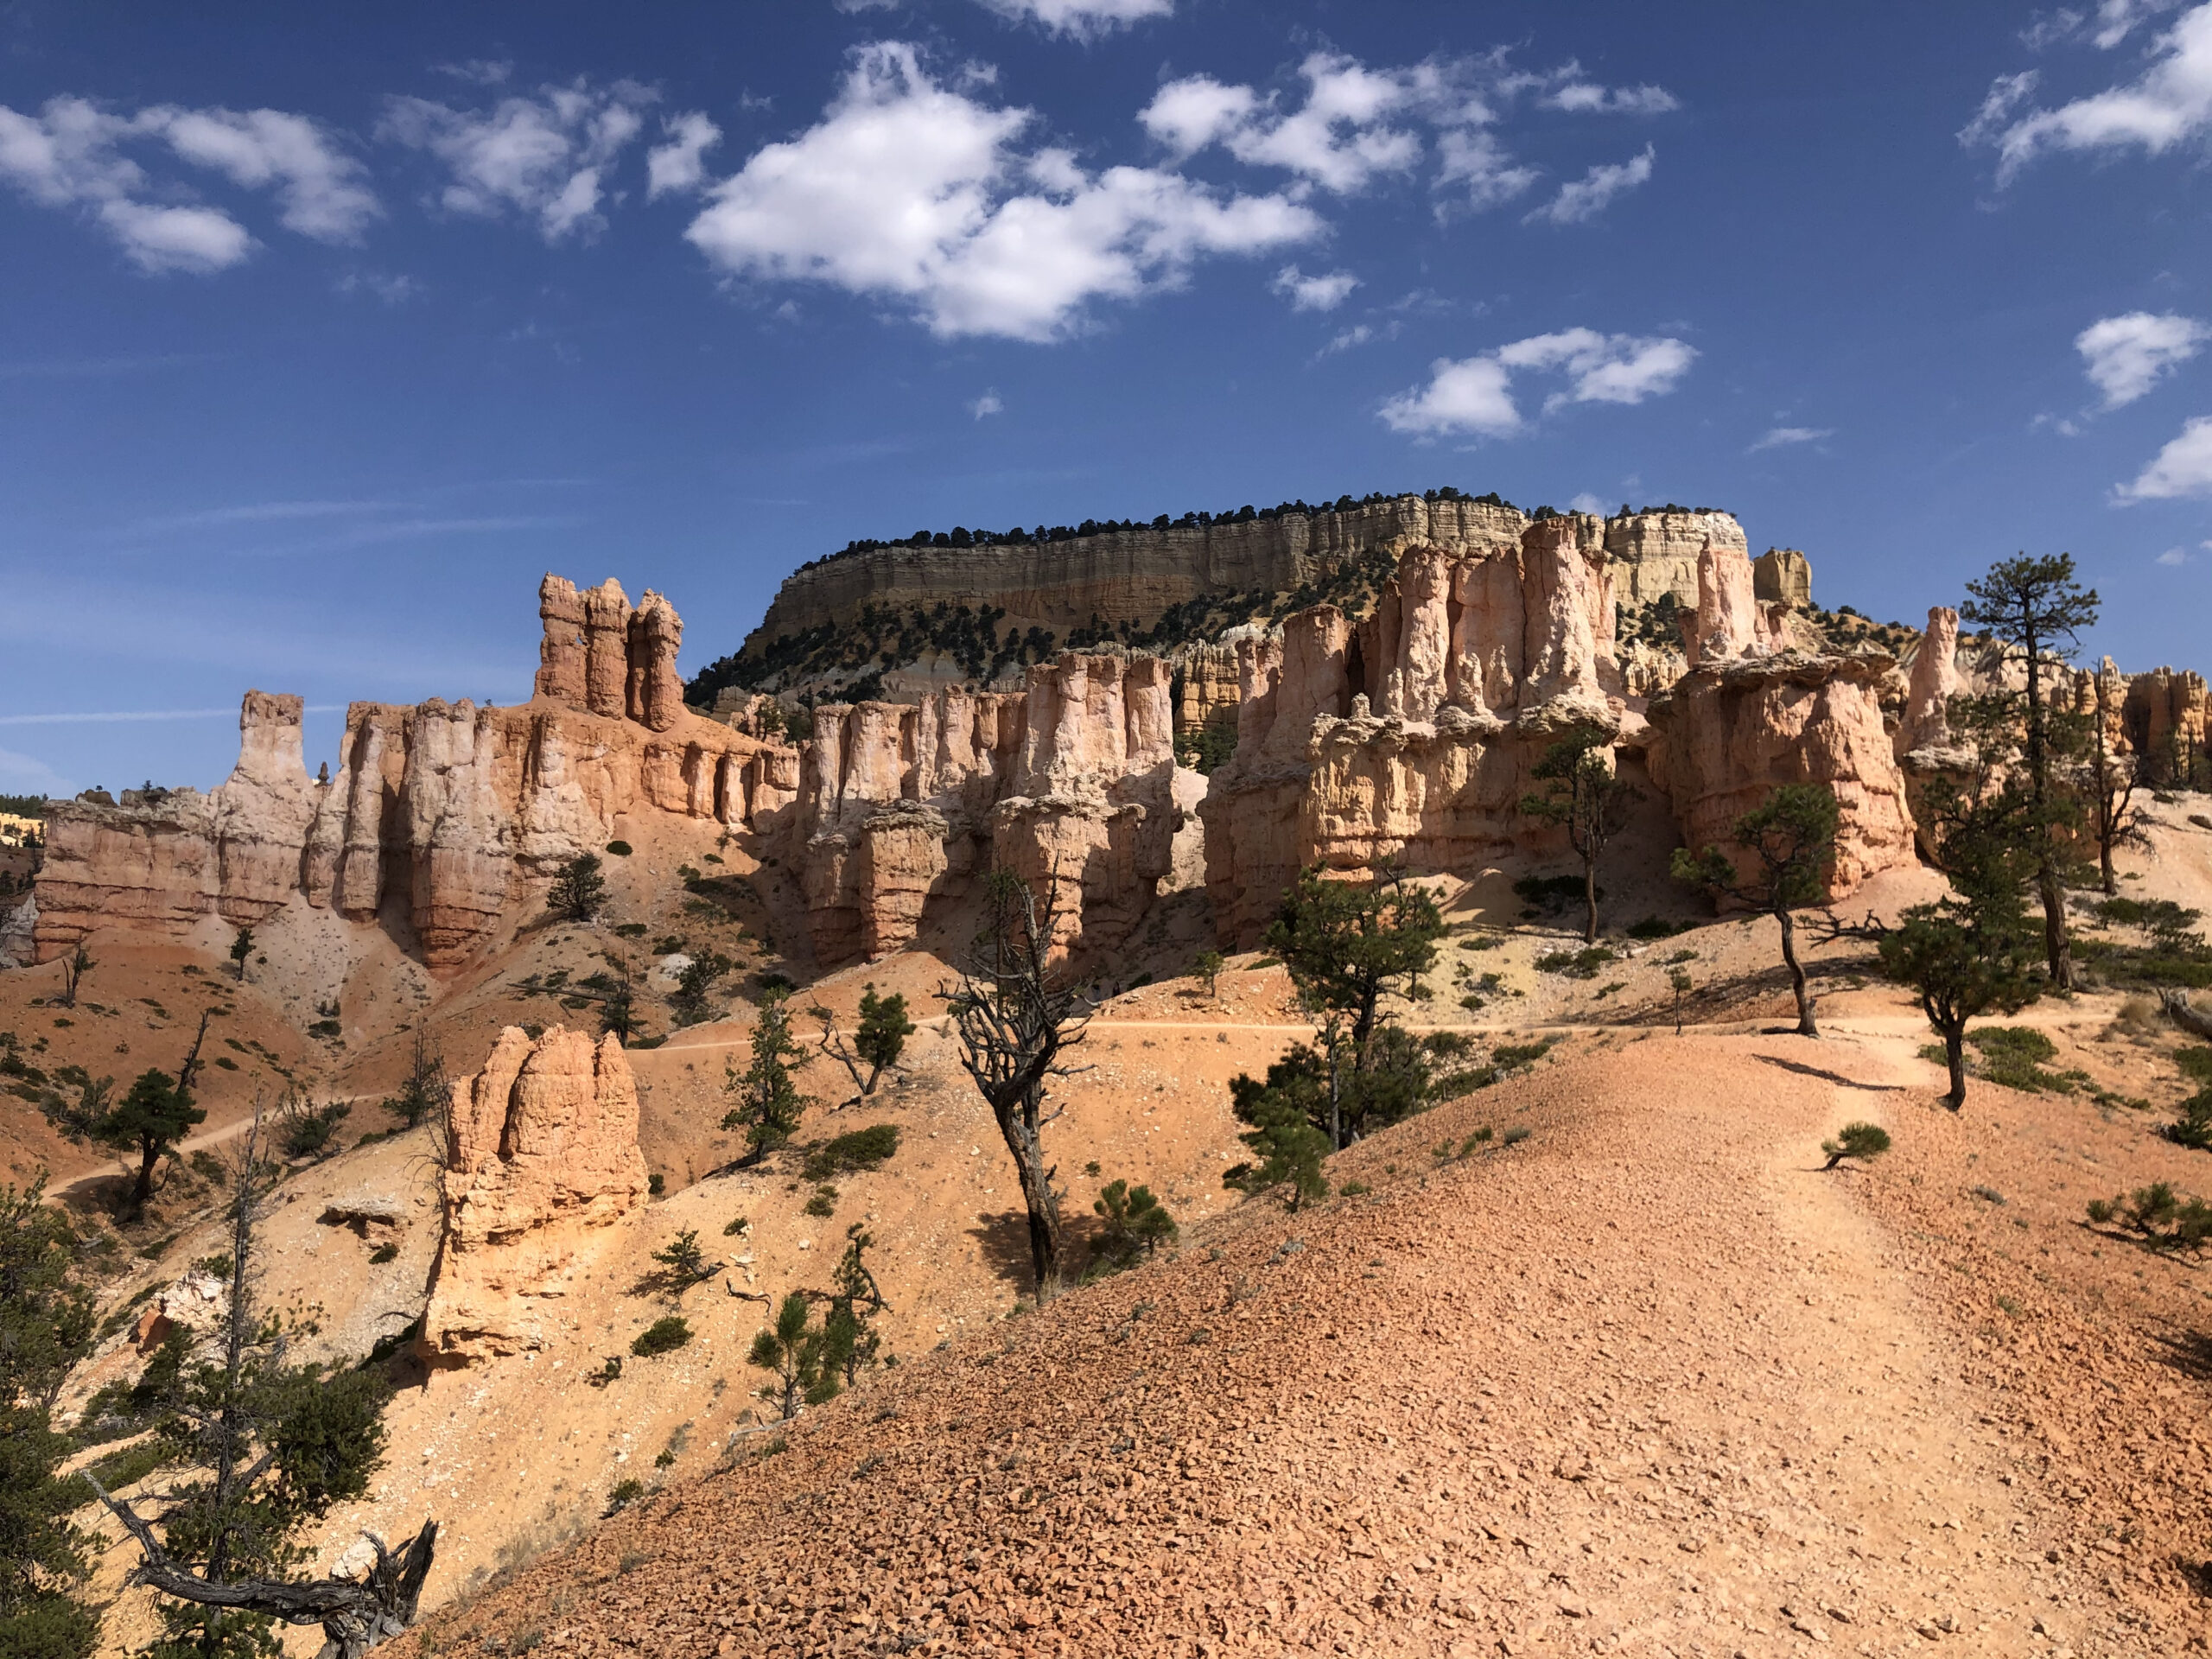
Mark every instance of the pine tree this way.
pixel 1136 1223
pixel 2037 609
pixel 150 1120
pixel 1286 1139
pixel 1789 840
pixel 46 1326
pixel 884 1029
pixel 423 1090
pixel 849 1325
pixel 1583 792
pixel 263 1448
pixel 802 1356
pixel 1345 944
pixel 578 892
pixel 768 1102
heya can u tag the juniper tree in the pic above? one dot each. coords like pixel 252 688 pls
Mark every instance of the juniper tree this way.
pixel 682 1264
pixel 2036 610
pixel 1015 1012
pixel 241 948
pixel 578 892
pixel 688 1003
pixel 262 1448
pixel 768 1102
pixel 46 1326
pixel 1585 794
pixel 1789 841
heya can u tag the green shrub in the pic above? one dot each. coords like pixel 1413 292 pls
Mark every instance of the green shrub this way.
pixel 1656 927
pixel 619 848
pixel 823 1202
pixel 854 1152
pixel 382 1254
pixel 2162 1217
pixel 1354 1189
pixel 1861 1141
pixel 2014 1055
pixel 1552 892
pixel 1514 1136
pixel 663 1336
pixel 1576 965
pixel 1508 1056
pixel 625 1493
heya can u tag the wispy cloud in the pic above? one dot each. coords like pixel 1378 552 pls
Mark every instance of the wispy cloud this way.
pixel 1579 202
pixel 1782 437
pixel 261 513
pixel 988 404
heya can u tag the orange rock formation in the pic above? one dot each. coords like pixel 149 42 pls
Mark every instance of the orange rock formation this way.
pixel 541 1157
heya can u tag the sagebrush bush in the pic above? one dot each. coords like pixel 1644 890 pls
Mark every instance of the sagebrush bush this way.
pixel 663 1336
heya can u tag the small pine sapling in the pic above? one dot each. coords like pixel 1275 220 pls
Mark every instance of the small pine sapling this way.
pixel 1864 1141
pixel 795 1350
pixel 1208 967
pixel 1136 1222
pixel 769 1103
pixel 1679 980
pixel 682 1264
pixel 849 1326
pixel 2159 1215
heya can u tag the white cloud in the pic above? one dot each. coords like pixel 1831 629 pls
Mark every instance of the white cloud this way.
pixel 2173 555
pixel 1474 395
pixel 2126 356
pixel 1591 195
pixel 1359 334
pixel 1476 158
pixel 2171 101
pixel 1306 293
pixel 1781 437
pixel 989 404
pixel 1586 502
pixel 679 165
pixel 25 774
pixel 1085 19
pixel 2184 467
pixel 481 72
pixel 1356 124
pixel 915 192
pixel 546 156
pixel 70 154
pixel 392 289
pixel 324 190
pixel 1582 98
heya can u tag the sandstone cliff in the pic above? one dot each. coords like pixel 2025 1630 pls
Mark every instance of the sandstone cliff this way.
pixel 1071 779
pixel 438 815
pixel 1752 712
pixel 541 1159
pixel 1409 737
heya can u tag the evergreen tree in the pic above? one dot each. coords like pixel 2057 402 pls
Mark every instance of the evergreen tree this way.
pixel 241 948
pixel 1285 1113
pixel 1208 967
pixel 849 1326
pixel 1346 944
pixel 75 967
pixel 2036 609
pixel 150 1120
pixel 688 1003
pixel 46 1327
pixel 682 1264
pixel 768 1102
pixel 1970 954
pixel 263 1448
pixel 423 1090
pixel 802 1356
pixel 578 892
pixel 1136 1222
pixel 1583 792
pixel 884 1029
pixel 1789 840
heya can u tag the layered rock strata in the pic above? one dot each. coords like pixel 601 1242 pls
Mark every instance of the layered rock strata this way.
pixel 541 1159
pixel 1753 713
pixel 438 813
pixel 1071 780
pixel 1409 737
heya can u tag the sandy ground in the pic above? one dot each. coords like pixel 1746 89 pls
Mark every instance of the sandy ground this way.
pixel 1648 1381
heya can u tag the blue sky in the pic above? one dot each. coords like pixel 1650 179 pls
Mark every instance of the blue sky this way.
pixel 322 336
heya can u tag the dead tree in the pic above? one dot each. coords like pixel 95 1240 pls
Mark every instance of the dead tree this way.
pixel 2178 1010
pixel 356 1614
pixel 1016 1013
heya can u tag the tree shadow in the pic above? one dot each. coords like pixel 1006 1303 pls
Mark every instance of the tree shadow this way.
pixel 1826 1075
pixel 2189 1353
pixel 1004 1240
